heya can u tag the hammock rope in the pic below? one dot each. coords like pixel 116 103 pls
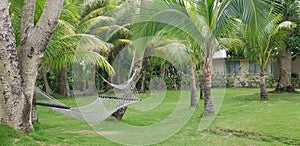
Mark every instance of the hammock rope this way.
pixel 98 110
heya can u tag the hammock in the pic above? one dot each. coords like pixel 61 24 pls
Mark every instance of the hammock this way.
pixel 94 112
pixel 121 86
pixel 127 83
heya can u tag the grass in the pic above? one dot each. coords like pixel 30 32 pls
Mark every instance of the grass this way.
pixel 243 120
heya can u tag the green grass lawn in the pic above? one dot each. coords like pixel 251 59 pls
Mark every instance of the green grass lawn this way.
pixel 243 120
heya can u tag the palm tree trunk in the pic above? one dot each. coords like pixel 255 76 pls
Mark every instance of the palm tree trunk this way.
pixel 137 66
pixel 194 100
pixel 63 84
pixel 128 92
pixel 163 71
pixel 47 86
pixel 145 63
pixel 208 104
pixel 263 89
pixel 143 87
pixel 91 82
pixel 284 62
pixel 201 84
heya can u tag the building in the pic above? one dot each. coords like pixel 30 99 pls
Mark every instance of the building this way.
pixel 240 72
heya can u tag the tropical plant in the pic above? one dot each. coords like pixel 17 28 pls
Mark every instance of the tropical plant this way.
pixel 81 37
pixel 287 41
pixel 205 23
pixel 261 50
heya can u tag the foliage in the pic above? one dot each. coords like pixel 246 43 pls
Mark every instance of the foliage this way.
pixel 218 80
pixel 270 81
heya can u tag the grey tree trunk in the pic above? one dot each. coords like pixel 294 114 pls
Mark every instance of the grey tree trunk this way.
pixel 194 100
pixel 208 104
pixel 284 62
pixel 63 84
pixel 263 87
pixel 18 81
pixel 11 91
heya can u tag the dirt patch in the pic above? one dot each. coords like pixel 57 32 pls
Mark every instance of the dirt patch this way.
pixel 80 132
pixel 254 135
pixel 108 132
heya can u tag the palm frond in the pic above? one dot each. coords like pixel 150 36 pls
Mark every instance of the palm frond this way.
pixel 93 14
pixel 95 22
pixel 68 58
pixel 70 16
pixel 158 15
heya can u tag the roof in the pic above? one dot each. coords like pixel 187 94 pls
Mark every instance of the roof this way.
pixel 221 54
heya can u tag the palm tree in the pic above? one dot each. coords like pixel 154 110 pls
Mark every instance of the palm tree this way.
pixel 261 49
pixel 290 12
pixel 80 37
pixel 206 22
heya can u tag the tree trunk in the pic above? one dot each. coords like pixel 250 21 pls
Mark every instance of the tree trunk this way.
pixel 34 40
pixel 145 63
pixel 34 115
pixel 194 100
pixel 63 84
pixel 11 92
pixel 92 82
pixel 208 104
pixel 284 62
pixel 201 84
pixel 263 89
pixel 47 86
pixel 163 72
pixel 137 66
pixel 143 87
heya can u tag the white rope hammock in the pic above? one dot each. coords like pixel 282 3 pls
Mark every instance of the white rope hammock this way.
pixel 94 112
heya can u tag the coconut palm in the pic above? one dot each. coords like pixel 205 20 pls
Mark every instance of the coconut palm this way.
pixel 206 22
pixel 262 49
pixel 81 36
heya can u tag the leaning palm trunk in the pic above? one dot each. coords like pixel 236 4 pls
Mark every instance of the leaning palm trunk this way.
pixel 194 100
pixel 137 67
pixel 129 91
pixel 263 89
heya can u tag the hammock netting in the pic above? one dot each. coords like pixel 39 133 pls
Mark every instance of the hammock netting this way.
pixel 94 111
